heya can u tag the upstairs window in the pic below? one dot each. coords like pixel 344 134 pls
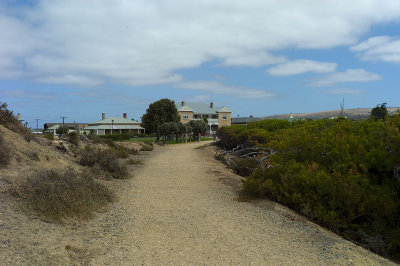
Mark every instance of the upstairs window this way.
pixel 224 117
pixel 185 116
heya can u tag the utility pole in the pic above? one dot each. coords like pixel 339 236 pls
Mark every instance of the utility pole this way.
pixel 37 124
pixel 63 117
pixel 342 107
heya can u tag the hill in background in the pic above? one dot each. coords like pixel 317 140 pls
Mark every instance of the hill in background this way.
pixel 355 113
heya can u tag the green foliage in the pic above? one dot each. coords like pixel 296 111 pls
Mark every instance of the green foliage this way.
pixel 49 136
pixel 198 127
pixel 59 195
pixel 8 120
pixel 245 166
pixel 379 112
pixel 74 138
pixel 158 113
pixel 337 172
pixel 5 152
pixel 116 137
pixel 62 130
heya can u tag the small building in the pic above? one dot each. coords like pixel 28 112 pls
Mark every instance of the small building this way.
pixel 216 116
pixel 115 125
pixel 72 127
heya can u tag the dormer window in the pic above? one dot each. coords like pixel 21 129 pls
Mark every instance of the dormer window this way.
pixel 185 116
pixel 224 117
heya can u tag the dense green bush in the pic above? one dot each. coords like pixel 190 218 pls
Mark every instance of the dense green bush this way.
pixel 62 130
pixel 59 195
pixel 74 138
pixel 117 137
pixel 338 172
pixel 245 166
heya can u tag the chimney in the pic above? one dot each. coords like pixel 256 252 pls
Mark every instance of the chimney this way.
pixel 182 103
pixel 103 116
pixel 124 115
pixel 211 105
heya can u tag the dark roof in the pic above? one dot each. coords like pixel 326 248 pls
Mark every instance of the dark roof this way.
pixel 244 120
pixel 47 125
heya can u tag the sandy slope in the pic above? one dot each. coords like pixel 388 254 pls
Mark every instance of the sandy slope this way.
pixel 181 208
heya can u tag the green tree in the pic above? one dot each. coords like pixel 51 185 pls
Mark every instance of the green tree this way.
pixel 379 112
pixel 198 127
pixel 158 113
pixel 62 130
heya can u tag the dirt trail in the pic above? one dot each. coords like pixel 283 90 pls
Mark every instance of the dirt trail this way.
pixel 182 209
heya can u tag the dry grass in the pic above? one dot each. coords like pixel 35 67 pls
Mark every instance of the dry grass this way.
pixel 5 153
pixel 106 159
pixel 147 147
pixel 61 195
pixel 8 120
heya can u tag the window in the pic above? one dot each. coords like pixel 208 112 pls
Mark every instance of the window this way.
pixel 224 117
pixel 185 116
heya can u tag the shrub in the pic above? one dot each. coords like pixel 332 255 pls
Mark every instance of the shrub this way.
pixel 147 147
pixel 245 166
pixel 106 159
pixel 95 139
pixel 5 153
pixel 49 136
pixel 34 156
pixel 59 195
pixel 62 130
pixel 74 138
pixel 337 172
pixel 116 137
pixel 8 120
pixel 132 161
pixel 88 156
pixel 122 152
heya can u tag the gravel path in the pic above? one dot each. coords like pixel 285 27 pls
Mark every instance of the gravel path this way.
pixel 182 208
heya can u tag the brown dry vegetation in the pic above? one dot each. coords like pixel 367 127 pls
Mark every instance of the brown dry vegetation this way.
pixel 54 184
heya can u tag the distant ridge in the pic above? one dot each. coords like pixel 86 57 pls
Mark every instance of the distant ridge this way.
pixel 354 113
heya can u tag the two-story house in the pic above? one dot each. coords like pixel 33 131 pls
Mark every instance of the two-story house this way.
pixel 216 116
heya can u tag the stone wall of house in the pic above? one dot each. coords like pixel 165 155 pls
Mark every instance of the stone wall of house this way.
pixel 189 116
pixel 226 121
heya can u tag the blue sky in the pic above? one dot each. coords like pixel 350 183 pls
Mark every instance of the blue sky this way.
pixel 81 58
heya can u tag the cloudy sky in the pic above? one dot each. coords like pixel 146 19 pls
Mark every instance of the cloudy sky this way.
pixel 81 58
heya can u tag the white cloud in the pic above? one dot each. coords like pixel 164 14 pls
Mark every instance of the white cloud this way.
pixel 350 75
pixel 146 41
pixel 72 80
pixel 343 91
pixel 379 48
pixel 254 59
pixel 216 87
pixel 301 66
